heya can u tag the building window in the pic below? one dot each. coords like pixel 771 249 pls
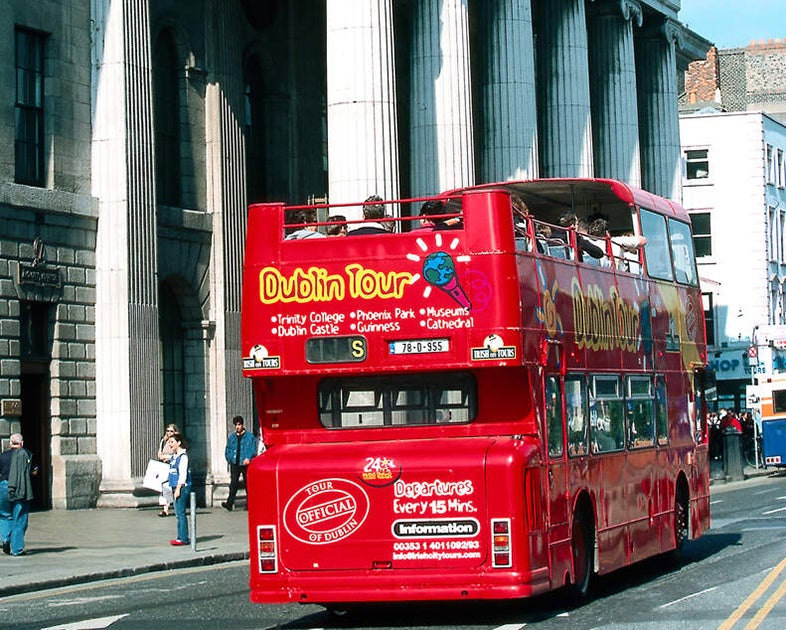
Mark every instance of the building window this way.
pixel 253 92
pixel 697 164
pixel 166 115
pixel 770 157
pixel 702 233
pixel 780 171
pixel 29 107
pixel 772 235
pixel 709 317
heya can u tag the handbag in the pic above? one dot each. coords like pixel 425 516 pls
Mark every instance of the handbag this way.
pixel 156 474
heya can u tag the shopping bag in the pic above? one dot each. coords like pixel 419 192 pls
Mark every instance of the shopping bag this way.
pixel 155 475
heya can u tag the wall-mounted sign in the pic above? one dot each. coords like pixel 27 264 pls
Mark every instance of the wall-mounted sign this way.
pixel 38 276
pixel 11 407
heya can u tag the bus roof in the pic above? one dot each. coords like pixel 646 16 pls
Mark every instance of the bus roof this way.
pixel 562 193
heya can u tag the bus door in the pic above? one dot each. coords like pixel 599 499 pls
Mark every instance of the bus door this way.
pixel 559 526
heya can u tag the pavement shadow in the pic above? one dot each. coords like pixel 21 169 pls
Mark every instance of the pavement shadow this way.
pixel 35 551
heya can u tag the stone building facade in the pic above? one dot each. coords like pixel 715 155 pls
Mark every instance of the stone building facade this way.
pixel 143 128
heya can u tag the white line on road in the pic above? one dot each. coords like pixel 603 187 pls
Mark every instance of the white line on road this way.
pixel 783 509
pixel 511 626
pixel 682 599
pixel 88 624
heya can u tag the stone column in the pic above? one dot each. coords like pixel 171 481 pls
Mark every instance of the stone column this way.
pixel 658 114
pixel 441 147
pixel 127 355
pixel 612 64
pixel 510 125
pixel 563 89
pixel 361 101
pixel 229 393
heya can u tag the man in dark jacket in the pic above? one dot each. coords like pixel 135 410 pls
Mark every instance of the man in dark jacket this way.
pixel 16 493
pixel 240 450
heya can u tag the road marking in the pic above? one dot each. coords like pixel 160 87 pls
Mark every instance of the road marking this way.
pixel 682 599
pixel 783 509
pixel 511 626
pixel 88 624
pixel 767 608
pixel 751 599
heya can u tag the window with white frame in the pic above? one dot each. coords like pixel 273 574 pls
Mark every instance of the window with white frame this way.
pixel 770 157
pixel 780 174
pixel 709 317
pixel 781 236
pixel 772 235
pixel 697 165
pixel 702 233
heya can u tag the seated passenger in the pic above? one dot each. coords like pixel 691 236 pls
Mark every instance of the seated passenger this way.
pixel 340 227
pixel 432 213
pixel 570 220
pixel 306 231
pixel 375 212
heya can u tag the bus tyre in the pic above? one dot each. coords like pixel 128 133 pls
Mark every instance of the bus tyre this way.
pixel 583 546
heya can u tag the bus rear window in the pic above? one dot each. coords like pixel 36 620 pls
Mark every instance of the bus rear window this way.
pixel 398 400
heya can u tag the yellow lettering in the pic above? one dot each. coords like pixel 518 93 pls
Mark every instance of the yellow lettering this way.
pixel 315 284
pixel 603 324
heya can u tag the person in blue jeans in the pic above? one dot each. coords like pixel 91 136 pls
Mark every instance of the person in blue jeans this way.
pixel 180 482
pixel 240 450
pixel 16 493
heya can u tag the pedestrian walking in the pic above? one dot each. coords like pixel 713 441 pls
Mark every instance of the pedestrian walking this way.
pixel 240 450
pixel 180 482
pixel 16 493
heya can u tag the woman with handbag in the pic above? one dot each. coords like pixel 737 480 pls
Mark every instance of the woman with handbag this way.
pixel 164 455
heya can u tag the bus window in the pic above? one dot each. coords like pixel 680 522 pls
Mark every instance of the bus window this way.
pixel 397 400
pixel 607 420
pixel 682 251
pixel 656 251
pixel 554 415
pixel 779 401
pixel 576 413
pixel 661 412
pixel 641 412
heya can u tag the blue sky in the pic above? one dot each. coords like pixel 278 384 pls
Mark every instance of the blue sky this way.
pixel 733 23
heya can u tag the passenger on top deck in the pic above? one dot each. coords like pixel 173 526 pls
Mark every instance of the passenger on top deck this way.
pixel 569 220
pixel 374 213
pixel 307 231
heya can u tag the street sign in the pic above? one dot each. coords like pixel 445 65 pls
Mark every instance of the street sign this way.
pixel 753 352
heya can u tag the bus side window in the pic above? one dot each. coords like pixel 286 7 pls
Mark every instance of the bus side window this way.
pixel 682 251
pixel 576 414
pixel 640 408
pixel 607 414
pixel 656 251
pixel 661 412
pixel 553 396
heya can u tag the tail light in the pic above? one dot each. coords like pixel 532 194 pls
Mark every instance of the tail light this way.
pixel 266 547
pixel 501 543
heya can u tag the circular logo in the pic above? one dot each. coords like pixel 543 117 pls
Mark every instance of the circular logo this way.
pixel 326 511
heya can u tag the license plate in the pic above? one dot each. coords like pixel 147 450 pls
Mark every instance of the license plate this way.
pixel 419 346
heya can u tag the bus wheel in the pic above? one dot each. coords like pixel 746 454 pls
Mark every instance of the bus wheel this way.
pixel 680 520
pixel 583 546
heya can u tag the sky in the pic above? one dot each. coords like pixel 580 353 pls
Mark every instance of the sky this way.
pixel 734 23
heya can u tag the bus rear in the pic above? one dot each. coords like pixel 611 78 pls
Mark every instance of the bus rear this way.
pixel 387 474
pixel 773 420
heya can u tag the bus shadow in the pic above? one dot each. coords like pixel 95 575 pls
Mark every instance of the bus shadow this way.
pixel 524 611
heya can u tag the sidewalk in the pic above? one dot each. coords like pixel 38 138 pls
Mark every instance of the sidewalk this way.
pixel 73 546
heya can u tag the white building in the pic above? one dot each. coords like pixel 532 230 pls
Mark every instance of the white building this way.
pixel 734 187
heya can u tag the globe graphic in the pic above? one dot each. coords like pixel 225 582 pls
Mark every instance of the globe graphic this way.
pixel 438 269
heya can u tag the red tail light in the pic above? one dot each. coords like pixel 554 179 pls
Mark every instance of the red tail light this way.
pixel 501 543
pixel 266 549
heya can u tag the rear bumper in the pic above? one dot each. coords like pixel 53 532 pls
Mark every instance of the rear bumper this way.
pixel 392 586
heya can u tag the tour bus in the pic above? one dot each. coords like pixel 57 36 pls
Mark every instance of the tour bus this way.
pixel 772 393
pixel 469 407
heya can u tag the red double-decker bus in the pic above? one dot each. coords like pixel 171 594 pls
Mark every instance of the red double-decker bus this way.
pixel 476 409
